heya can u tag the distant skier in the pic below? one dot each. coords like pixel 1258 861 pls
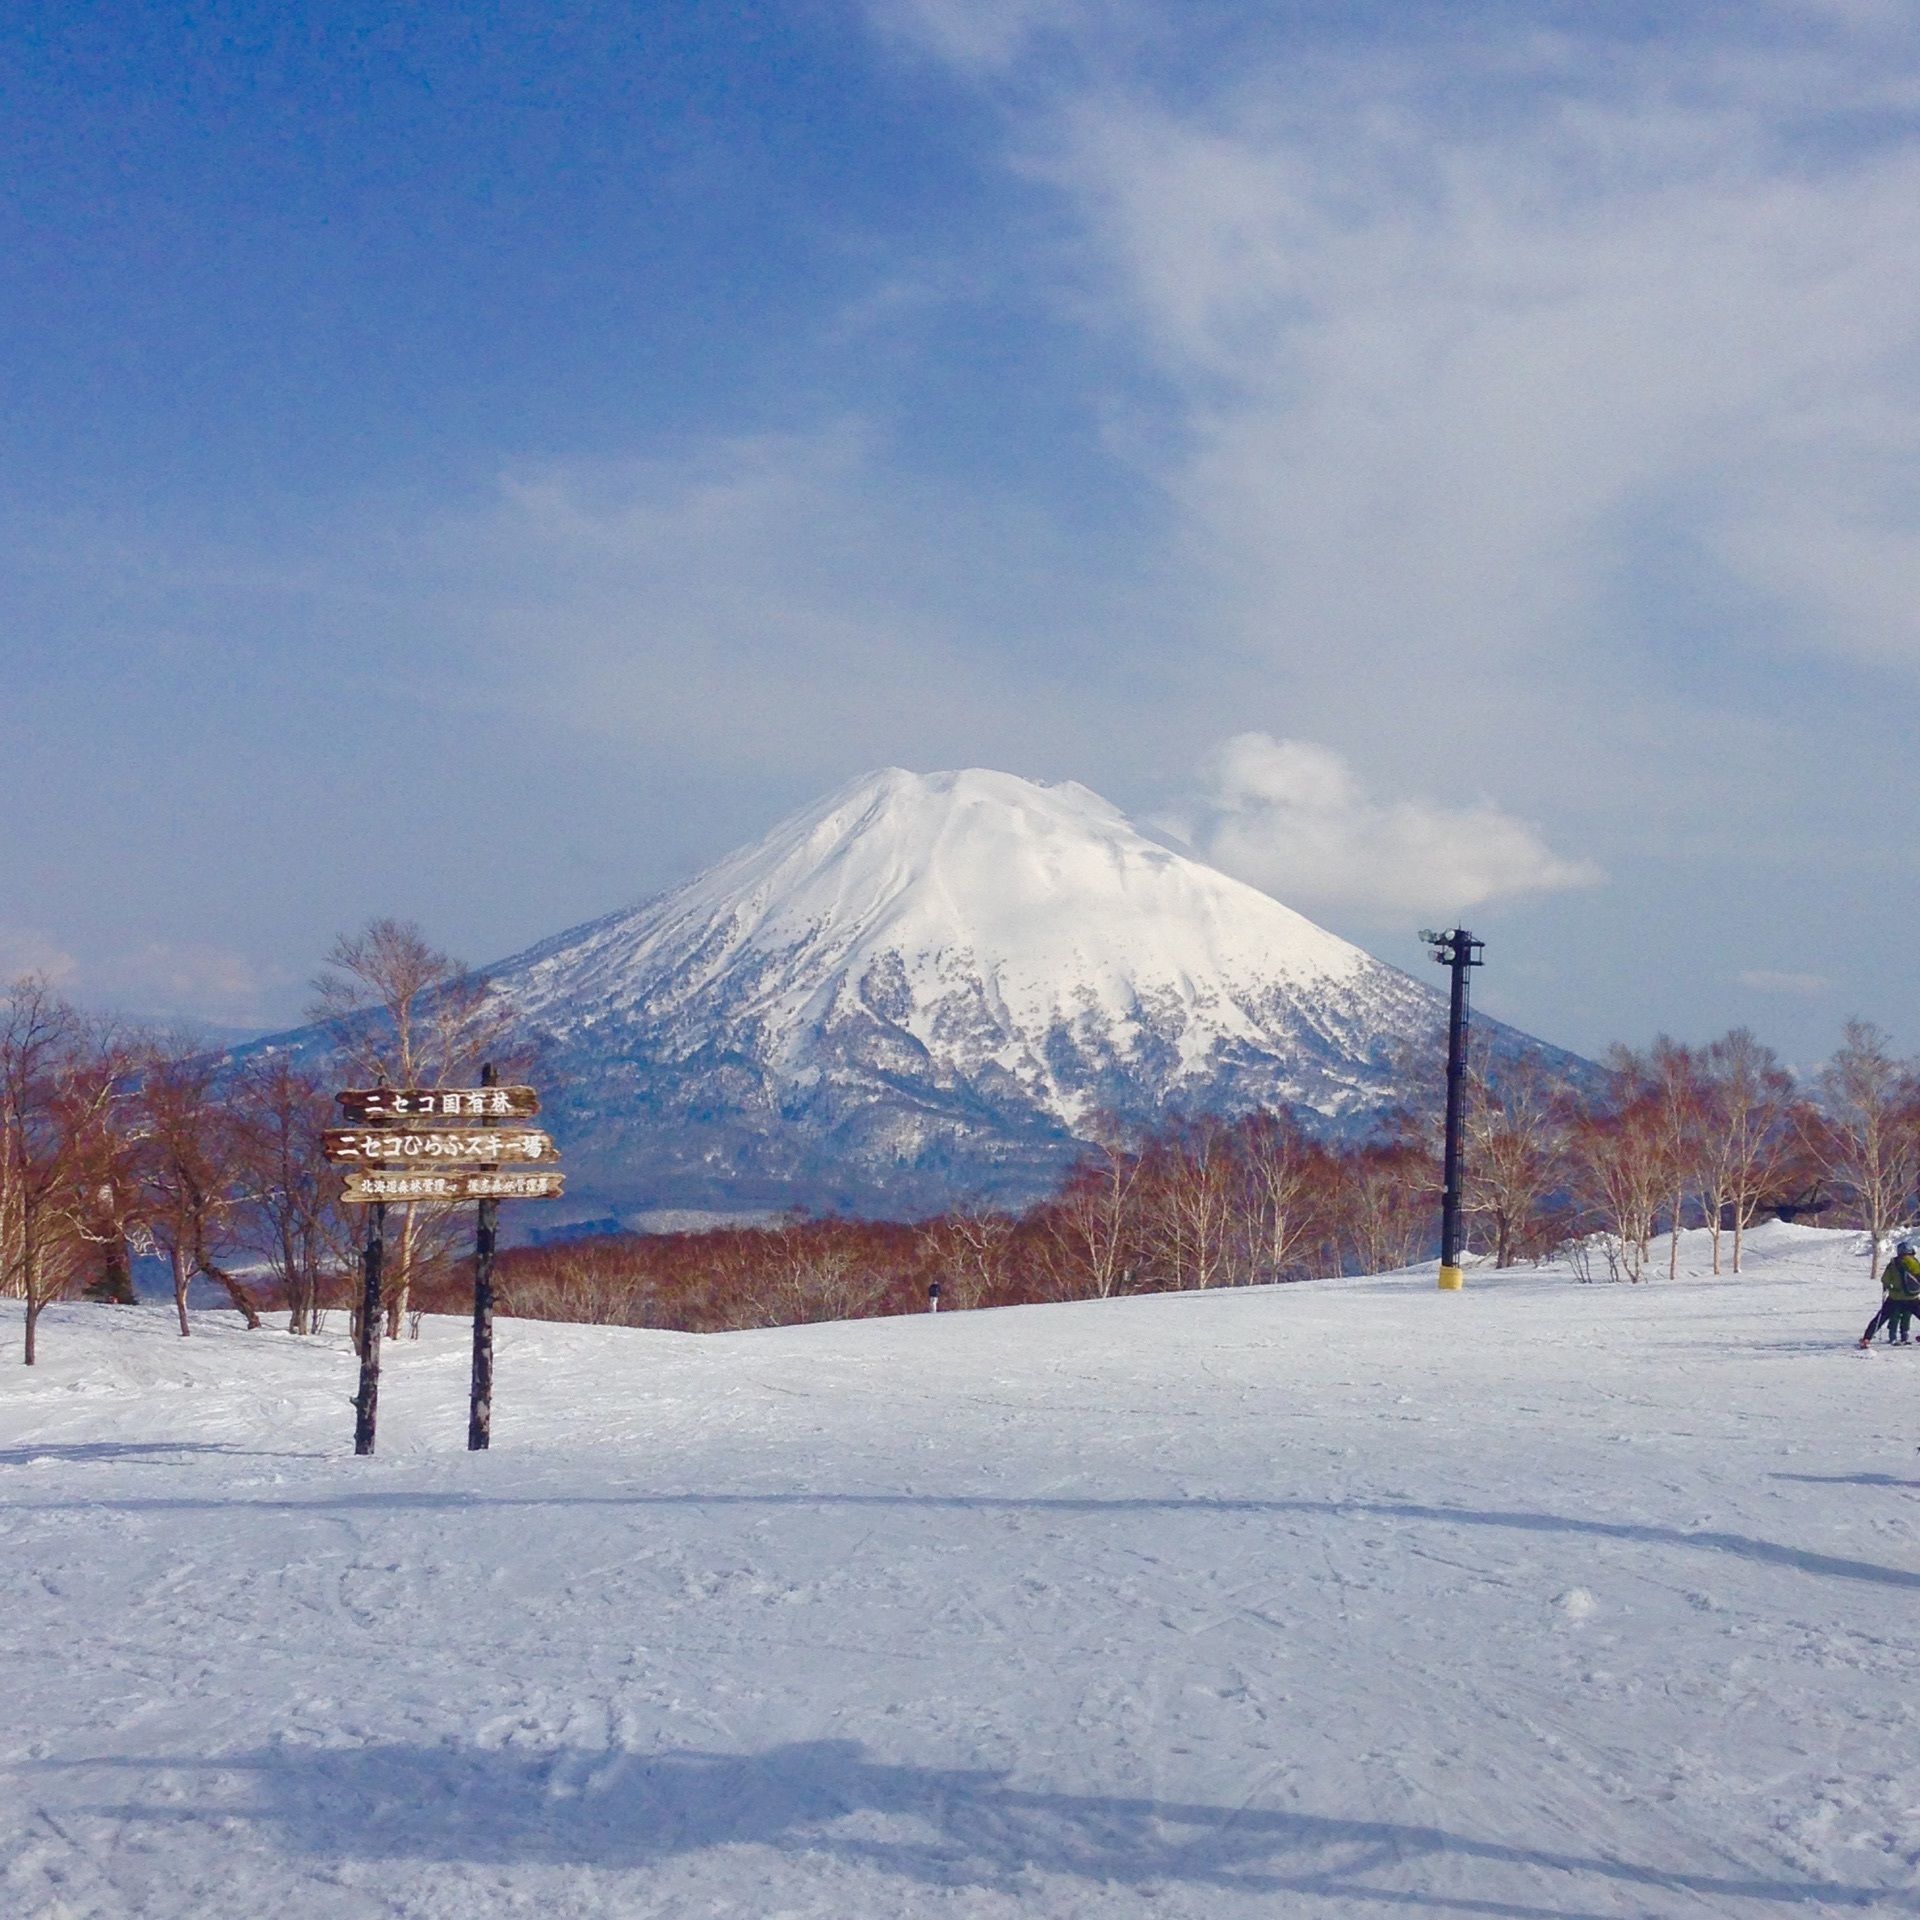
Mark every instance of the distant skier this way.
pixel 1899 1296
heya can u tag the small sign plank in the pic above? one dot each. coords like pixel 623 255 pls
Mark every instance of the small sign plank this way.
pixel 377 1106
pixel 364 1146
pixel 365 1185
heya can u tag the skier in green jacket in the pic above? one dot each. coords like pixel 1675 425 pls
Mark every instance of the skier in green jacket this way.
pixel 1899 1296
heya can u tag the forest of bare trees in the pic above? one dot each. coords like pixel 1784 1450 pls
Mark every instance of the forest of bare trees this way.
pixel 119 1147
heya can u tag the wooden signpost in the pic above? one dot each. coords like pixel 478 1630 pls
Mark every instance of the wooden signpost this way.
pixel 438 1145
pixel 376 1146
pixel 369 1186
pixel 377 1106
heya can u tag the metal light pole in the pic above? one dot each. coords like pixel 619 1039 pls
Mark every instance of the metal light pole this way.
pixel 1458 951
pixel 485 1233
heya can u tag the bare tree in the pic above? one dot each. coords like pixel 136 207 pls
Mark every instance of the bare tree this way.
pixel 189 1170
pixel 814 1275
pixel 57 1089
pixel 1090 1238
pixel 402 1012
pixel 1516 1161
pixel 1188 1184
pixel 1621 1169
pixel 1865 1136
pixel 1283 1184
pixel 1662 1094
pixel 287 1211
pixel 967 1250
pixel 1384 1193
pixel 1747 1133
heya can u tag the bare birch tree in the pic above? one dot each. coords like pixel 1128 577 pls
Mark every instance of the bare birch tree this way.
pixel 189 1170
pixel 1090 1242
pixel 402 1012
pixel 287 1211
pixel 1747 1133
pixel 1661 1093
pixel 57 1087
pixel 1865 1136
pixel 1189 1181
pixel 1515 1136
pixel 1621 1170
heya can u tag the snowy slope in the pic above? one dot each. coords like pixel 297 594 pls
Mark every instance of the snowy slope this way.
pixel 1541 1600
pixel 922 987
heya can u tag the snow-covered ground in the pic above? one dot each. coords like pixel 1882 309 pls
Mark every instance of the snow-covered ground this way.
pixel 1537 1600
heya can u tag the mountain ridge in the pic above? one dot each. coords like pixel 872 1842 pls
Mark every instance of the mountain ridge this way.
pixel 919 992
pixel 921 988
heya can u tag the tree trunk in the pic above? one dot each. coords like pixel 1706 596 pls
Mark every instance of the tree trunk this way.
pixel 33 1326
pixel 182 1279
pixel 114 1287
pixel 403 1275
pixel 237 1292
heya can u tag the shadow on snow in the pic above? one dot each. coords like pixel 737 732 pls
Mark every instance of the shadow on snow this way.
pixel 1694 1539
pixel 948 1828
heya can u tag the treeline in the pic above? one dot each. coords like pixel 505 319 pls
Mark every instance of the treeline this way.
pixel 115 1145
pixel 1605 1171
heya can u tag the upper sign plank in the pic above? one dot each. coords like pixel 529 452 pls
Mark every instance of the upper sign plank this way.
pixel 377 1106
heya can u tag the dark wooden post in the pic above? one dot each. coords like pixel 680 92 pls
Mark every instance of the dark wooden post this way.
pixel 480 1408
pixel 367 1404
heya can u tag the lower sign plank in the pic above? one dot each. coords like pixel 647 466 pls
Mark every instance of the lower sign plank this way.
pixel 365 1185
pixel 357 1146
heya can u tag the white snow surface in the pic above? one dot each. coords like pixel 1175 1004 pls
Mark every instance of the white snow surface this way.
pixel 1542 1600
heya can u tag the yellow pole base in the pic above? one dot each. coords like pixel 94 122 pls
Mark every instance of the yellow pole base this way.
pixel 1451 1279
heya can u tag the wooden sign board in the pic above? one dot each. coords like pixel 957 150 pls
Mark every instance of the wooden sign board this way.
pixel 365 1185
pixel 386 1106
pixel 369 1146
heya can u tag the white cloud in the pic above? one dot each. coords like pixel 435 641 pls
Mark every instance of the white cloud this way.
pixel 158 979
pixel 1450 335
pixel 1293 818
pixel 29 950
pixel 1804 986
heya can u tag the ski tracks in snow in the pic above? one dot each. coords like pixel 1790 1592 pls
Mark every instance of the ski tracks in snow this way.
pixel 1322 1602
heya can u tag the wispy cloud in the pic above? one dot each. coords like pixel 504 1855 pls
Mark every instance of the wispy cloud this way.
pixel 1455 333
pixel 1802 986
pixel 29 950
pixel 1295 819
pixel 782 603
pixel 155 980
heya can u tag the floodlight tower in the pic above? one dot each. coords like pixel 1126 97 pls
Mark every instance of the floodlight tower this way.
pixel 1459 952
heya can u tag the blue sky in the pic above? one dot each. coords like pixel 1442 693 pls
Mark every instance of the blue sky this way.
pixel 480 463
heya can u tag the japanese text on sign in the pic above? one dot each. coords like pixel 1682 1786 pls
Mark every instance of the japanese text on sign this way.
pixel 440 1103
pixel 508 1143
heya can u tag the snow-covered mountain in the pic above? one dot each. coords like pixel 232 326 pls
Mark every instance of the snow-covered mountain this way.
pixel 919 988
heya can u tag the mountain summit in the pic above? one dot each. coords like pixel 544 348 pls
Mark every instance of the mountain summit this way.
pixel 919 988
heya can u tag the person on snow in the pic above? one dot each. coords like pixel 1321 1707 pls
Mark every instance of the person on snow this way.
pixel 1899 1296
